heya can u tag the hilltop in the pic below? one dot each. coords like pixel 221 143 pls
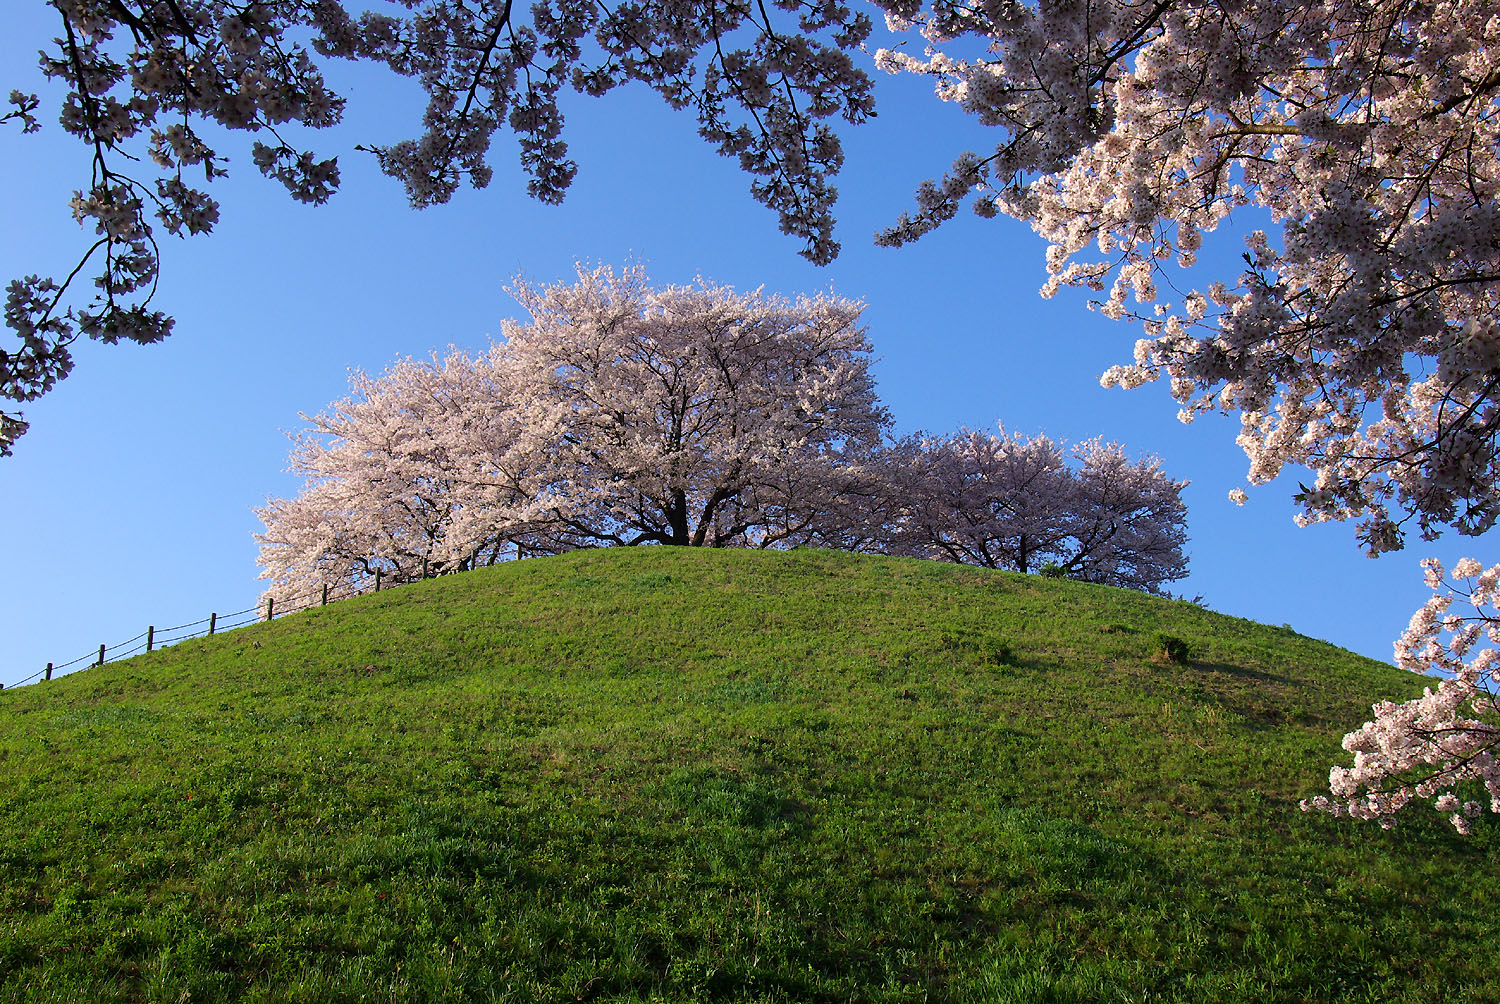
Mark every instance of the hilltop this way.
pixel 689 775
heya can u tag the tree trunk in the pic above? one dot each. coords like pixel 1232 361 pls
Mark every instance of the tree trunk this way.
pixel 677 518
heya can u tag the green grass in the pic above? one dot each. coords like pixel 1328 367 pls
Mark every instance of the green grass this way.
pixel 673 775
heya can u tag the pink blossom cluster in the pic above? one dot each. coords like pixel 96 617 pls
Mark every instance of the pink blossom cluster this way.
pixel 621 414
pixel 151 85
pixel 142 81
pixel 1359 340
pixel 618 414
pixel 1013 501
pixel 1439 746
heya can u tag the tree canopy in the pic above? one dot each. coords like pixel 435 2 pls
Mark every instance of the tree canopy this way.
pixel 1014 501
pixel 150 82
pixel 621 414
pixel 1358 341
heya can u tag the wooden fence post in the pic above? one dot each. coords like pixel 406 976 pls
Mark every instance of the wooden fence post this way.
pixel 213 622
pixel 49 671
pixel 150 635
pixel 270 607
pixel 101 656
pixel 325 594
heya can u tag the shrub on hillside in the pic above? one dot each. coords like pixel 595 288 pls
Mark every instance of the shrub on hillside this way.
pixel 1171 649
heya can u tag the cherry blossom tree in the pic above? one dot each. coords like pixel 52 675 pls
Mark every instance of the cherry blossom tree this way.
pixel 394 482
pixel 686 415
pixel 618 415
pixel 1440 747
pixel 1359 340
pixel 1128 524
pixel 843 502
pixel 1013 501
pixel 152 87
pixel 997 501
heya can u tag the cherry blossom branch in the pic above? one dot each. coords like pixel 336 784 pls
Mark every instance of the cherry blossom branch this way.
pixel 132 68
pixel 1440 746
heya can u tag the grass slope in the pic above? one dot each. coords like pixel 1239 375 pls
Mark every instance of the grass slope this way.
pixel 677 775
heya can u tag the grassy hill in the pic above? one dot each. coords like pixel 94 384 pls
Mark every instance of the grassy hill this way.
pixel 677 775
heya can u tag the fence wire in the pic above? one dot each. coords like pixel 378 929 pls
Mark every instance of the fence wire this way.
pixel 215 624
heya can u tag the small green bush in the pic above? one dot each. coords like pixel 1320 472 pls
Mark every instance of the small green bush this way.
pixel 1051 570
pixel 1172 649
pixel 994 651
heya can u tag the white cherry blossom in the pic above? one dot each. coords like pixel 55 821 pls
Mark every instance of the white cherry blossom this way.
pixel 1013 501
pixel 1443 744
pixel 144 77
pixel 1360 338
pixel 621 414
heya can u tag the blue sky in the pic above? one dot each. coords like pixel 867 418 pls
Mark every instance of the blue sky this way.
pixel 130 501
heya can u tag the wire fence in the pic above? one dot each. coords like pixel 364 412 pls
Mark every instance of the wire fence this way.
pixel 154 638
